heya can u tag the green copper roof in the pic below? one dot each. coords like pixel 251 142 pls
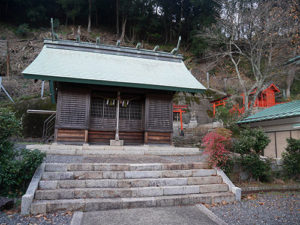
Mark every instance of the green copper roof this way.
pixel 279 111
pixel 110 65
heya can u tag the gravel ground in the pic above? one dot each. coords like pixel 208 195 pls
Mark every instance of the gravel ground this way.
pixel 60 218
pixel 267 208
pixel 123 159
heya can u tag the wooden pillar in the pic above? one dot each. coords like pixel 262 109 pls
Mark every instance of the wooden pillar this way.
pixel 55 133
pixel 86 136
pixel 146 137
pixel 117 138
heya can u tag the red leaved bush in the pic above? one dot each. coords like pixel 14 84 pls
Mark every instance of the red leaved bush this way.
pixel 216 145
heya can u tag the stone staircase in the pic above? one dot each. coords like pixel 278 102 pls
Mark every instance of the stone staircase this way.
pixel 103 186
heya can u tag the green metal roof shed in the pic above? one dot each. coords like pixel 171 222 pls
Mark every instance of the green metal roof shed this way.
pixel 280 111
pixel 88 63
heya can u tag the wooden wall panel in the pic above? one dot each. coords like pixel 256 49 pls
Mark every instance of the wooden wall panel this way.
pixel 102 124
pixel 131 125
pixel 159 138
pixel 132 137
pixel 159 113
pixel 73 108
pixel 100 137
pixel 104 137
pixel 69 135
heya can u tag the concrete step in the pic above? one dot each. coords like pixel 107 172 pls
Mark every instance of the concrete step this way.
pixel 64 167
pixel 128 183
pixel 127 192
pixel 85 175
pixel 46 206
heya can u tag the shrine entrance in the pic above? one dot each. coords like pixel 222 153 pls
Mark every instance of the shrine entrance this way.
pixel 118 112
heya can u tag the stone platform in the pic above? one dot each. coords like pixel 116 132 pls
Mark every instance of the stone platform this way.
pixel 98 150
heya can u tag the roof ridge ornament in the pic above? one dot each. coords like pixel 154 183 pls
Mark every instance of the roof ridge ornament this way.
pixel 113 50
pixel 156 48
pixel 78 34
pixel 54 36
pixel 138 46
pixel 98 41
pixel 175 50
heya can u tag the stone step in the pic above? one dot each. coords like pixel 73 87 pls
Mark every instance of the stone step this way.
pixel 46 206
pixel 84 175
pixel 100 150
pixel 127 192
pixel 128 183
pixel 64 167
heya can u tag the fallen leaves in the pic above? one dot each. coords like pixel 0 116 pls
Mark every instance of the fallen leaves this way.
pixel 11 212
pixel 207 206
pixel 69 213
pixel 250 197
pixel 38 216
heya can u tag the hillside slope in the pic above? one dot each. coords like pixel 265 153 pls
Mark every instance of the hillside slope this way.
pixel 23 50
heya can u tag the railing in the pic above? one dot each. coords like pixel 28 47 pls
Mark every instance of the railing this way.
pixel 48 128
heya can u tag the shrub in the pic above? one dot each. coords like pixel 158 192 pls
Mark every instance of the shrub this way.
pixel 16 166
pixel 251 141
pixel 291 159
pixel 256 168
pixel 9 125
pixel 227 167
pixel 250 146
pixel 17 169
pixel 228 117
pixel 22 30
pixel 216 145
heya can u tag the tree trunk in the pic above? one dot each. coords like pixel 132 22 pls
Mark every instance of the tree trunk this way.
pixel 90 15
pixel 246 101
pixel 96 17
pixel 133 35
pixel 289 81
pixel 117 17
pixel 123 29
pixel 66 23
pixel 290 77
pixel 6 9
pixel 166 31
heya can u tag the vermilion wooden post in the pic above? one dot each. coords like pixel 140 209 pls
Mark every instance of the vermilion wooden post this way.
pixel 181 125
pixel 180 109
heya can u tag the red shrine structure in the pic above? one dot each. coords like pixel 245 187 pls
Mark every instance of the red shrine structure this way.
pixel 180 109
pixel 265 99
